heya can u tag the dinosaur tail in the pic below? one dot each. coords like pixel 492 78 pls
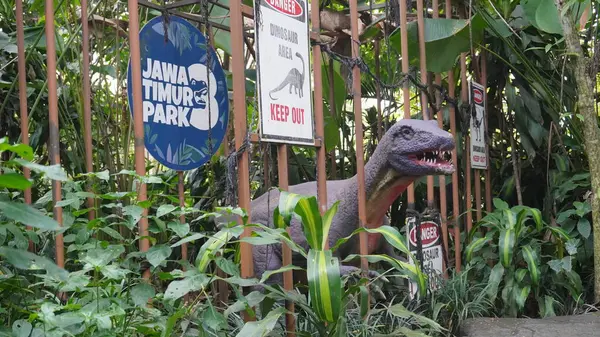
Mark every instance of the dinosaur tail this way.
pixel 279 87
pixel 301 59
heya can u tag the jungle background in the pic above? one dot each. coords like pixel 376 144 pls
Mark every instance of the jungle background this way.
pixel 538 163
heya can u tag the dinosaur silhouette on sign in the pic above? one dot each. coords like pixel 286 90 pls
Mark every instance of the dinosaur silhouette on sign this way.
pixel 294 79
pixel 476 123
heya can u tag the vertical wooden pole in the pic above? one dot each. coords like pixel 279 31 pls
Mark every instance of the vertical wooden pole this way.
pixel 410 190
pixel 87 109
pixel 138 123
pixel 288 281
pixel 53 139
pixel 240 129
pixel 315 19
pixel 333 113
pixel 464 93
pixel 442 178
pixel 360 159
pixel 488 178
pixel 378 90
pixel 455 198
pixel 23 98
pixel 424 80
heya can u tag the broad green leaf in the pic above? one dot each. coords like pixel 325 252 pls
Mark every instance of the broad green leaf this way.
pixel 391 235
pixel 537 217
pixel 54 172
pixel 24 151
pixel 228 266
pixel 500 204
pixel 521 295
pixel 14 180
pixel 27 215
pixel 308 210
pixel 141 294
pixel 180 229
pixel 511 219
pixel 193 281
pixel 158 254
pixel 327 220
pixel 268 273
pixel 287 205
pixel 101 256
pixel 212 319
pixel 21 327
pixel 494 281
pixel 453 36
pixel 400 311
pixel 531 257
pixel 324 282
pixel 506 245
pixel 25 260
pixel 475 246
pixel 193 237
pixel 364 301
pixel 251 300
pixel 164 210
pixel 214 243
pixel 547 306
pixel 264 326
pixel 584 228
pixel 571 246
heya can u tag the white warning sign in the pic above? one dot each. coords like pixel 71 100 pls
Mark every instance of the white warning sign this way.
pixel 478 127
pixel 283 71
pixel 432 251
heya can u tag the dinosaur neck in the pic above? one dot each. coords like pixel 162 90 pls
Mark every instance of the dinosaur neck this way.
pixel 383 186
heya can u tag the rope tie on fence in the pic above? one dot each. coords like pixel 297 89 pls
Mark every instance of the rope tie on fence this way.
pixel 232 163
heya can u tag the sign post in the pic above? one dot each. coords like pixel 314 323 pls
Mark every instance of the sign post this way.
pixel 185 107
pixel 478 147
pixel 425 244
pixel 283 72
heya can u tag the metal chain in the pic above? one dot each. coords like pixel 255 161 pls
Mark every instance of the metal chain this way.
pixel 351 62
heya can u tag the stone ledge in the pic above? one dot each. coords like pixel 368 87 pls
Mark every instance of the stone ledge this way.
pixel 585 325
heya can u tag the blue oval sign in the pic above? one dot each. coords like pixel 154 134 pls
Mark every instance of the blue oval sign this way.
pixel 185 113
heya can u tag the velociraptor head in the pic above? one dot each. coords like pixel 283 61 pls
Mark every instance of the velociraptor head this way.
pixel 418 148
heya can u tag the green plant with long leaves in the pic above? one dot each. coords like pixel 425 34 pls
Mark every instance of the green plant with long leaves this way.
pixel 522 266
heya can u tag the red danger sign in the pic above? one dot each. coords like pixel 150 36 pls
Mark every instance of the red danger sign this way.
pixel 478 96
pixel 287 7
pixel 429 234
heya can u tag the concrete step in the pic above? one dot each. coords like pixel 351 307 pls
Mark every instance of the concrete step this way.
pixel 585 325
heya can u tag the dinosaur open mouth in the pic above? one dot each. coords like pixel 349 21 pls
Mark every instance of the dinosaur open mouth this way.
pixel 433 158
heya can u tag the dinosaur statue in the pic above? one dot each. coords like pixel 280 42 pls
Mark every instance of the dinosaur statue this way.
pixel 408 150
pixel 294 78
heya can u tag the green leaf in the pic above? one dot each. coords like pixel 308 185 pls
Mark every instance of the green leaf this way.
pixel 400 311
pixel 193 281
pixel 475 246
pixel 584 228
pixel 308 210
pixel 141 294
pixel 264 326
pixel 21 327
pixel 500 204
pixel 25 260
pixel 212 319
pixel 24 151
pixel 27 215
pixel 571 246
pixel 521 296
pixel 325 286
pixel 164 210
pixel 14 180
pixel 364 301
pixel 327 220
pixel 506 245
pixel 54 172
pixel 180 229
pixel 392 236
pixel 193 237
pixel 157 254
pixel 214 243
pixel 494 281
pixel 268 273
pixel 531 257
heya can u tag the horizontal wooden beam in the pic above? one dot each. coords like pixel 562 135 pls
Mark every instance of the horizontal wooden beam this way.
pixel 255 138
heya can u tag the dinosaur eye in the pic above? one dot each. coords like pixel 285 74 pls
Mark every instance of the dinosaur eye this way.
pixel 407 132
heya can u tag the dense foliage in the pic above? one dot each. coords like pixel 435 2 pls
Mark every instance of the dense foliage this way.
pixel 532 256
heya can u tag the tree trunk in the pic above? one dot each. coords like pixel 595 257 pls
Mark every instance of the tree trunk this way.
pixel 585 103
